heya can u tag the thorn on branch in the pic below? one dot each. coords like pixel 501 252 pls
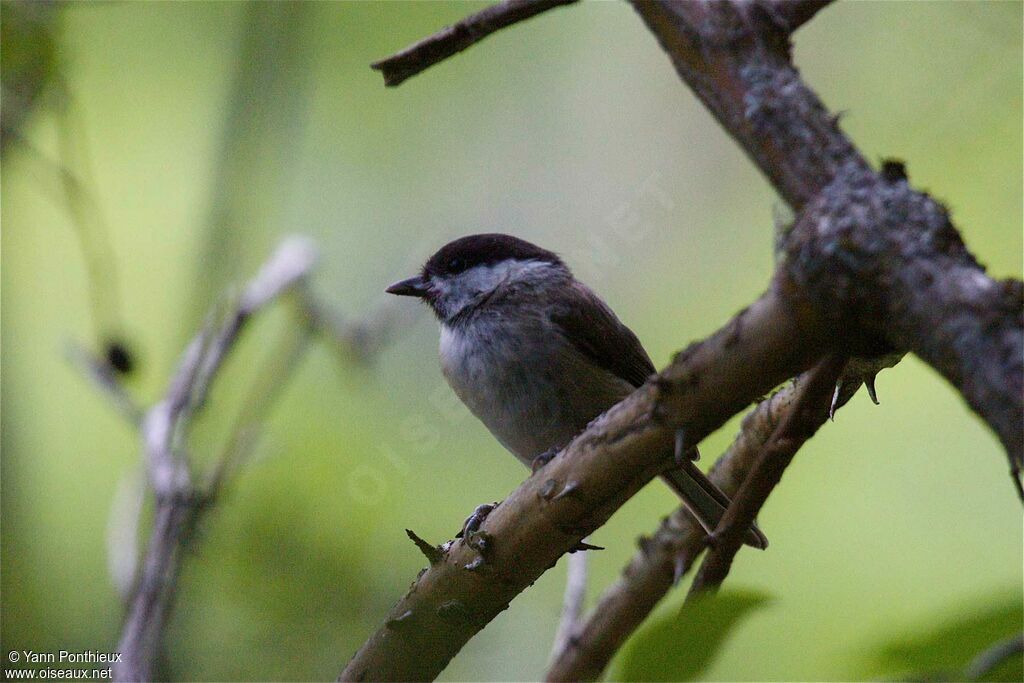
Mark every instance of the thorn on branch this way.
pixel 583 547
pixel 401 622
pixel 453 610
pixel 571 488
pixel 433 553
pixel 835 400
pixel 869 382
pixel 893 170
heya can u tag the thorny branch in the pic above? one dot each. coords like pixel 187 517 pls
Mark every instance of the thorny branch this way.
pixel 580 488
pixel 880 259
pixel 802 420
pixel 664 557
pixel 871 267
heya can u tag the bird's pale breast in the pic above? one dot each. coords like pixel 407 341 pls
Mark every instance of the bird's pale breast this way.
pixel 529 386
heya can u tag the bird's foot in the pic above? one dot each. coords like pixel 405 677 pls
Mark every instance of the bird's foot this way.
pixel 543 459
pixel 473 522
pixel 683 450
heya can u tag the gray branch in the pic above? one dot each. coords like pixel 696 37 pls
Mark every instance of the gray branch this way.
pixel 178 503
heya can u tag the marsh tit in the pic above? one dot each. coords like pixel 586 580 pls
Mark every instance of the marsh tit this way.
pixel 536 355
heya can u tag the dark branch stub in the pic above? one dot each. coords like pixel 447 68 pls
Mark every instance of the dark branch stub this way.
pixel 456 38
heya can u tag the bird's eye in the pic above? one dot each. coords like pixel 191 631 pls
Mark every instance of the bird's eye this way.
pixel 455 265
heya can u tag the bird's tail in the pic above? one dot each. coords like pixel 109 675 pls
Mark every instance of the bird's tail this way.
pixel 706 501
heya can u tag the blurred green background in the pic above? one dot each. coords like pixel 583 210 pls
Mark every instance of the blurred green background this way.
pixel 206 131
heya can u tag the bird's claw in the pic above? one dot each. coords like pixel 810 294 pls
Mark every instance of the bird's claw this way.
pixel 682 450
pixel 473 522
pixel 543 459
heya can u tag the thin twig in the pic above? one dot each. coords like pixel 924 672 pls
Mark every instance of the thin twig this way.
pixel 355 339
pixel 987 661
pixel 272 379
pixel 106 379
pixel 178 503
pixel 807 414
pixel 572 601
pixel 457 37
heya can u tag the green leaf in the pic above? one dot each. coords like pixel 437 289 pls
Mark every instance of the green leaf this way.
pixel 944 647
pixel 679 646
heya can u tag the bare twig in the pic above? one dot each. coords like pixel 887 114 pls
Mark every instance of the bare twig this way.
pixel 807 414
pixel 572 601
pixel 355 339
pixel 986 662
pixel 178 503
pixel 456 38
pixel 103 375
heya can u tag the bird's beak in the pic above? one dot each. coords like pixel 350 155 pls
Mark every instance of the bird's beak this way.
pixel 414 286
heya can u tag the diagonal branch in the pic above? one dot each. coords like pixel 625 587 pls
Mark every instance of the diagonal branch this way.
pixel 579 490
pixel 735 58
pixel 455 38
pixel 870 268
pixel 883 261
pixel 664 557
pixel 807 414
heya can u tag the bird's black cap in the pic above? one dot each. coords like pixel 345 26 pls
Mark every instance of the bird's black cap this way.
pixel 482 250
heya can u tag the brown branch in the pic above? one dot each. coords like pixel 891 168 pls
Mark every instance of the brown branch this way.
pixel 882 260
pixel 807 414
pixel 877 267
pixel 664 557
pixel 735 57
pixel 457 37
pixel 602 468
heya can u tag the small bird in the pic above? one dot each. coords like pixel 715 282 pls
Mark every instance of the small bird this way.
pixel 536 355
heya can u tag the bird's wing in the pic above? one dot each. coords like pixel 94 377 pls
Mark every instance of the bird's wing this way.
pixel 600 336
